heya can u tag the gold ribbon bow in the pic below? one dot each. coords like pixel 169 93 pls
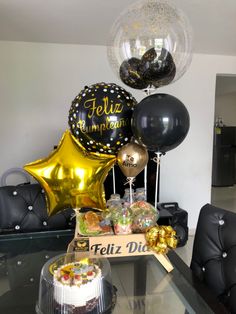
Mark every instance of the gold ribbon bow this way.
pixel 161 238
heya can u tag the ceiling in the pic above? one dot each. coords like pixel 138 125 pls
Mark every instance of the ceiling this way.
pixel 89 21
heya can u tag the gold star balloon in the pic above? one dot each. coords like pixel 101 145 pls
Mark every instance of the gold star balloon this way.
pixel 72 177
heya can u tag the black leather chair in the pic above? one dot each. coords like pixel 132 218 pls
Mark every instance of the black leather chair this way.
pixel 23 209
pixel 214 253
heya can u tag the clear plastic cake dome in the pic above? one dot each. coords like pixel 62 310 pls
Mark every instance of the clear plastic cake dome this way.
pixel 71 284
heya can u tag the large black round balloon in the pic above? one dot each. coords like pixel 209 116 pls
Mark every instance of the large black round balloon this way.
pixel 160 122
pixel 100 117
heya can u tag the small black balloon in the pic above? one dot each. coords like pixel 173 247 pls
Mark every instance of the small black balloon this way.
pixel 147 60
pixel 157 71
pixel 130 75
pixel 160 122
pixel 162 76
pixel 149 56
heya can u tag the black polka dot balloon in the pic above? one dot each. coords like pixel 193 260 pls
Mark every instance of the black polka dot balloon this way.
pixel 100 117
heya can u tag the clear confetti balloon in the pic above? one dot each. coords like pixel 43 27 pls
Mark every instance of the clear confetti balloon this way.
pixel 150 44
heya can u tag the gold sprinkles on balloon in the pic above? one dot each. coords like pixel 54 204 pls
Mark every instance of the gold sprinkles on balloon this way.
pixel 103 101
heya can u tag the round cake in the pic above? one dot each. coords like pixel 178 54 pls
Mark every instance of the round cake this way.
pixel 77 287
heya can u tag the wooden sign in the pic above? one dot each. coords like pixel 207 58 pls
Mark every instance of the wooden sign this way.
pixel 116 246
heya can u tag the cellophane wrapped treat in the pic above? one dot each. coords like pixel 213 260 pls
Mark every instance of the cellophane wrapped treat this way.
pixel 114 205
pixel 122 221
pixel 145 215
pixel 93 223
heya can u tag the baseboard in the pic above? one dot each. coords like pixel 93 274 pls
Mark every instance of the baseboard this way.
pixel 191 232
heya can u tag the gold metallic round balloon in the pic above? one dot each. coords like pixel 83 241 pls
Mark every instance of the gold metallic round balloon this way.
pixel 132 158
pixel 72 177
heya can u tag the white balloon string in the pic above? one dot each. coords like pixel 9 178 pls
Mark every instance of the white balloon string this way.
pixel 114 180
pixel 145 182
pixel 130 181
pixel 157 159
pixel 148 91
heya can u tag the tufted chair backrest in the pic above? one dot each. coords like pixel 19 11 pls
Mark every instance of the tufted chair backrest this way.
pixel 214 253
pixel 23 209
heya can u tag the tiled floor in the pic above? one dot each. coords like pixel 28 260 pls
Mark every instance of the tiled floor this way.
pixel 224 197
pixel 185 252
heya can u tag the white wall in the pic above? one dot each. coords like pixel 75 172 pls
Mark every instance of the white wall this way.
pixel 225 107
pixel 39 81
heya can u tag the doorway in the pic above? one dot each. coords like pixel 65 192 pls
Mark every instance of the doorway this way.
pixel 223 192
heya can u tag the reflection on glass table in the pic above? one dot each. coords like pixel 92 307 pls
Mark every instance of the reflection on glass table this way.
pixel 143 285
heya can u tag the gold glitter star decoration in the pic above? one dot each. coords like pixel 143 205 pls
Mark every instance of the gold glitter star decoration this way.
pixel 72 177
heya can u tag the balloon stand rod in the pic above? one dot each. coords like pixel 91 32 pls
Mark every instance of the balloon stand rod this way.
pixel 114 180
pixel 130 191
pixel 157 159
pixel 145 182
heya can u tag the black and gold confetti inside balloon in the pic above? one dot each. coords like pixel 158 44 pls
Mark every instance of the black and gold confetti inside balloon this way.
pixel 152 70
pixel 131 75
pixel 100 117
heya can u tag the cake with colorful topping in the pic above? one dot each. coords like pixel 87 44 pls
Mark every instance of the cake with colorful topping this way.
pixel 77 287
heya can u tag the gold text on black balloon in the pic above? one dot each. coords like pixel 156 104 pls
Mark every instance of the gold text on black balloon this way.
pixel 107 108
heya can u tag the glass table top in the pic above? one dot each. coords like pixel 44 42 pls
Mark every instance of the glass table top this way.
pixel 143 285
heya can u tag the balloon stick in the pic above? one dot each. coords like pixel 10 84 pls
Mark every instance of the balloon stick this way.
pixel 157 159
pixel 114 180
pixel 145 182
pixel 130 181
pixel 130 191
